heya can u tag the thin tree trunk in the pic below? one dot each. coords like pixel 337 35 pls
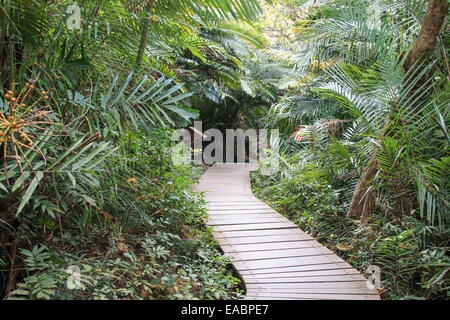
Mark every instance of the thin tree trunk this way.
pixel 417 56
pixel 3 45
pixel 11 277
pixel 358 207
pixel 426 41
pixel 144 34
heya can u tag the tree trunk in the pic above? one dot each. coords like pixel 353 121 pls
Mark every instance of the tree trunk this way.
pixel 144 34
pixel 358 207
pixel 4 47
pixel 419 53
pixel 426 41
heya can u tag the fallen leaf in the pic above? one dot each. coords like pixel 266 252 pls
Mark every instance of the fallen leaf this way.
pixel 146 294
pixel 343 246
pixel 122 247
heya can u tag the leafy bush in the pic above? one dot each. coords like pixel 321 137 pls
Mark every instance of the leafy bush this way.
pixel 159 249
pixel 411 253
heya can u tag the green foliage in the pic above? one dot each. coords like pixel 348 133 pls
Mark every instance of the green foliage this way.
pixel 159 249
pixel 299 188
pixel 102 193
pixel 411 254
pixel 352 93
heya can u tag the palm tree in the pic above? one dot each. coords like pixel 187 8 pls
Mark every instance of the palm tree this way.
pixel 377 60
pixel 206 10
pixel 415 64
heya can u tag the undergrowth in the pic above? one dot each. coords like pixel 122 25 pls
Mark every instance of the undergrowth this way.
pixel 412 255
pixel 146 240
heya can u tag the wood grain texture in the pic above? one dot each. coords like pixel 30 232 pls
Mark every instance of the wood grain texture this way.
pixel 275 259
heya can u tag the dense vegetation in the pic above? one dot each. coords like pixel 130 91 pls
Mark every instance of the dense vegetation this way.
pixel 367 171
pixel 87 177
pixel 358 89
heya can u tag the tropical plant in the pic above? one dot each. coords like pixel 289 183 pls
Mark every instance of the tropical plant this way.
pixel 368 67
pixel 93 175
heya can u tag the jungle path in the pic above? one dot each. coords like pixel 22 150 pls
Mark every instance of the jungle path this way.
pixel 275 259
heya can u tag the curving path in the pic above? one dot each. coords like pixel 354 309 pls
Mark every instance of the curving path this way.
pixel 275 259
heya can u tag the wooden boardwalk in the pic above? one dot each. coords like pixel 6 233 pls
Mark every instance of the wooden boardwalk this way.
pixel 275 259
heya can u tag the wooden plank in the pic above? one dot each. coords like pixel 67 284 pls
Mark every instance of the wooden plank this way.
pixel 220 221
pixel 242 211
pixel 235 216
pixel 252 298
pixel 309 285
pixel 306 273
pixel 223 181
pixel 209 199
pixel 255 226
pixel 233 222
pixel 271 246
pixel 291 278
pixel 244 199
pixel 259 233
pixel 239 206
pixel 334 278
pixel 322 296
pixel 243 218
pixel 223 187
pixel 238 203
pixel 274 254
pixel 225 197
pixel 285 262
pixel 336 267
pixel 312 291
pixel 264 239
pixel 240 197
pixel 232 185
pixel 223 191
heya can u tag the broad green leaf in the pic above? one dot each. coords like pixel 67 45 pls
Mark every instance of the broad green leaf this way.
pixel 19 182
pixel 31 188
pixel 72 178
pixel 3 187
